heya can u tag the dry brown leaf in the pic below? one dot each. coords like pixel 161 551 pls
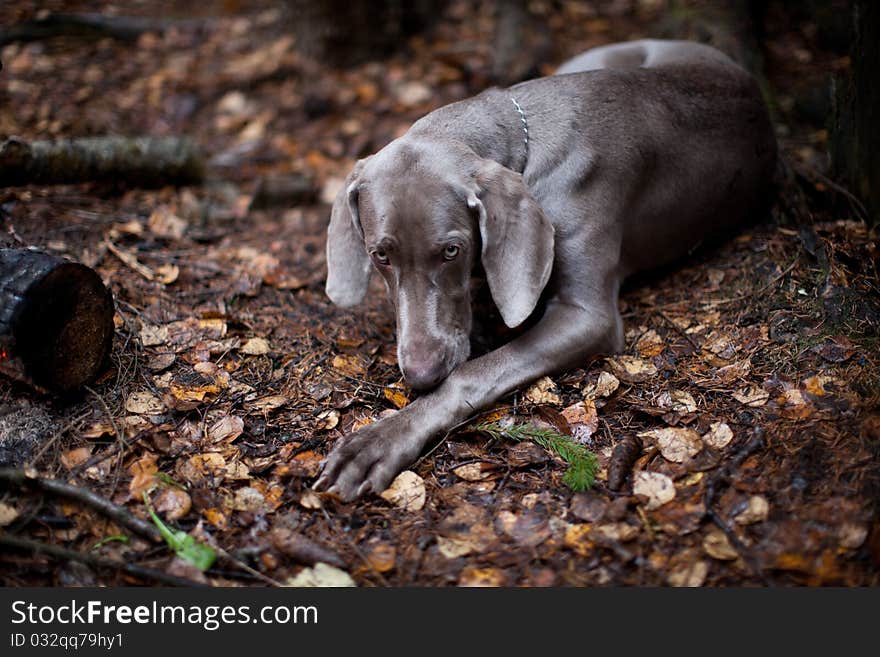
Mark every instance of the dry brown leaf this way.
pixel 268 403
pixel 406 492
pixel 310 500
pixel 649 344
pixel 327 420
pixel 850 535
pixel 396 396
pixel 321 575
pixel 173 503
pixel 255 347
pixel 579 538
pixel 688 572
pixel 528 529
pixel 655 486
pixel 757 511
pixel 718 436
pixel 217 517
pixel 489 577
pixel 466 530
pixel 476 471
pixel 76 456
pixel 676 444
pixel 794 406
pixel 735 372
pixel 717 545
pixel 349 365
pixel 543 392
pixel 616 531
pixel 719 348
pixel 248 499
pixel 8 514
pixel 582 418
pixel 754 396
pixel 381 556
pixel 226 429
pixel 164 223
pixel 677 401
pixel 144 403
pixel 605 386
pixel 632 369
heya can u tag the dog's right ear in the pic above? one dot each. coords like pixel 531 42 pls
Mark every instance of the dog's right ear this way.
pixel 348 264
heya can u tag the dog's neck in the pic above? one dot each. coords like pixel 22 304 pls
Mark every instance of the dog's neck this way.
pixel 494 125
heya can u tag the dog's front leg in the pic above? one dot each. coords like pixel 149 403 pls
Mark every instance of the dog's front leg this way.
pixel 369 459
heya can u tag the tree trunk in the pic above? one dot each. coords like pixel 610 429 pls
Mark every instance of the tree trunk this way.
pixel 56 321
pixel 855 138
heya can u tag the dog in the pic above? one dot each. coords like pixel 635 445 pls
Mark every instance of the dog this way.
pixel 625 159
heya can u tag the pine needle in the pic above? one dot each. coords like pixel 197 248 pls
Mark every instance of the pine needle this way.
pixel 582 463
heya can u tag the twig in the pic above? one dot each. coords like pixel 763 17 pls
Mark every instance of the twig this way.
pixel 243 566
pixel 666 318
pixel 95 561
pixel 748 295
pixel 16 477
pixel 711 493
pixel 355 548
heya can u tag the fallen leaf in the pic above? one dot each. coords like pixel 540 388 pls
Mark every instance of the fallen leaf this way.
pixel 173 503
pixel 8 514
pixel 676 444
pixel 794 406
pixel 734 372
pixel 255 347
pixel 604 386
pixel 466 530
pixel 756 511
pixel 327 420
pixel 719 348
pixel 688 573
pixel 752 396
pixel 579 538
pixel 268 403
pixel 542 392
pixel 248 499
pixel 718 436
pixel 310 500
pixel 489 577
pixel 226 429
pixel 588 506
pixel 396 396
pixel 529 529
pixel 850 535
pixel 321 575
pixel 349 365
pixel 655 486
pixel 381 556
pixel 650 344
pixel 144 403
pixel 835 350
pixel 677 401
pixel 616 531
pixel 632 369
pixel 476 471
pixel 164 223
pixel 717 545
pixel 152 336
pixel 406 492
pixel 76 456
pixel 582 418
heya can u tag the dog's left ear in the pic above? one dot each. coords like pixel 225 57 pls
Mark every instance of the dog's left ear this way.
pixel 348 264
pixel 517 251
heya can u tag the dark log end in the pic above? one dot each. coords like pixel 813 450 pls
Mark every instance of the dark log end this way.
pixel 64 329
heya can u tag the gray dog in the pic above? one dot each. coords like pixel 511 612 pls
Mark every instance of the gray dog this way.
pixel 627 158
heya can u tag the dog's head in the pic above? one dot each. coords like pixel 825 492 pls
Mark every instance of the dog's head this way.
pixel 421 214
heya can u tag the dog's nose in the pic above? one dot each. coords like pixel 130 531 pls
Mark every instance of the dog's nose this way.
pixel 423 372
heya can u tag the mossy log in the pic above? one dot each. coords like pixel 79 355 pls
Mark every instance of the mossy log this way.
pixel 56 321
pixel 139 161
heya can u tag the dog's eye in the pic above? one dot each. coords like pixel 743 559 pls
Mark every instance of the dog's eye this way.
pixel 381 258
pixel 451 251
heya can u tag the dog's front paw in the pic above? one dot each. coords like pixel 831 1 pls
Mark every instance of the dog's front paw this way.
pixel 367 460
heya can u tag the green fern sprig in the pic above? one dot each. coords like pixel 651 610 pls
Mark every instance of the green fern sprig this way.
pixel 582 463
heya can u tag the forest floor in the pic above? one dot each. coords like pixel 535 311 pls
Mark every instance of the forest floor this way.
pixel 751 371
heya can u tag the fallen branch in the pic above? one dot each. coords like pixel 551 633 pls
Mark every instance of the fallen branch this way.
pixel 140 161
pixel 56 320
pixel 15 477
pixel 90 26
pixel 58 552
